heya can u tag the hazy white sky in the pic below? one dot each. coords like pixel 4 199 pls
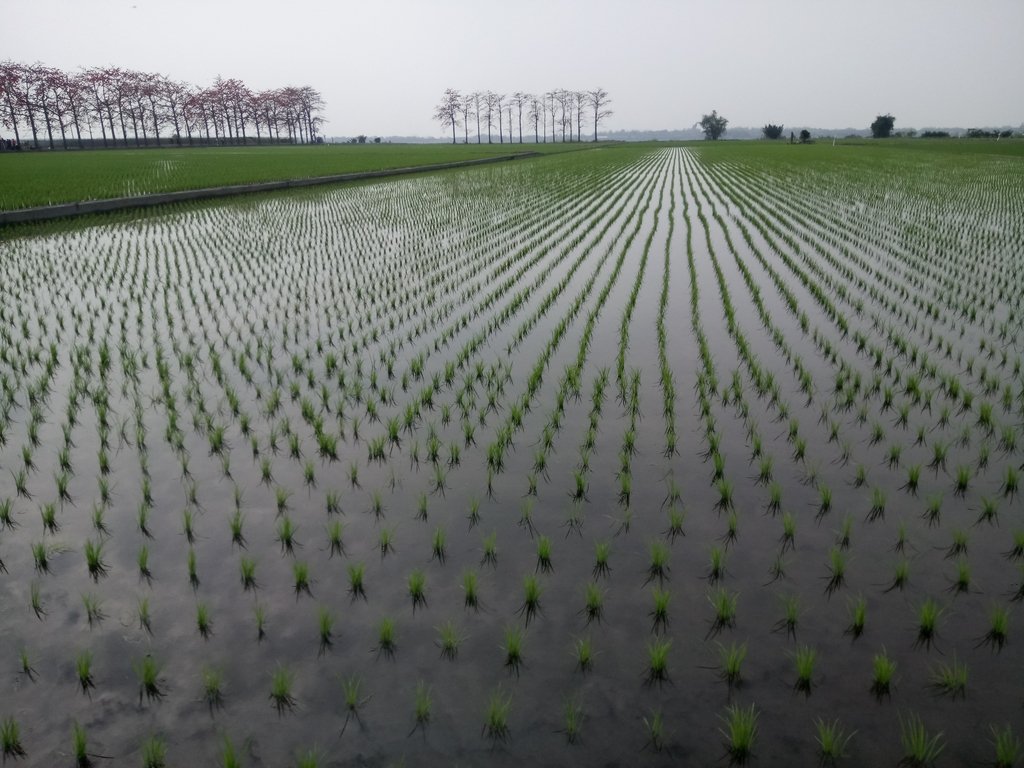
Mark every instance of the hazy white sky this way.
pixel 383 64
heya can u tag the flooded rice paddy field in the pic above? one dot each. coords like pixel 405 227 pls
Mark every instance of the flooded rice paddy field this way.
pixel 629 456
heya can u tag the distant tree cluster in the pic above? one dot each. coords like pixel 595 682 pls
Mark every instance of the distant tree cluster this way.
pixel 882 127
pixel 127 107
pixel 713 125
pixel 981 133
pixel 771 131
pixel 553 114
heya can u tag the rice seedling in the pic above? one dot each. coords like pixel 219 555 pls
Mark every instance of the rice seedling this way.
pixel 724 603
pixel 93 609
pixel 675 523
pixel 48 512
pixel 962 480
pixel 212 687
pixel 417 583
pixel 439 545
pixel 572 719
pixel 80 745
pixel 654 727
pixel 883 674
pixel 958 546
pixel 877 509
pixel 421 707
pixel 933 510
pixel 740 732
pixel 193 574
pixel 730 663
pixel 928 614
pixel 1010 482
pixel 143 614
pixel 496 714
pixel 805 659
pixel 449 640
pixel 658 567
pixel 354 700
pixel 950 679
pixel 237 524
pixel 386 638
pixel 858 610
pixel 659 613
pixel 260 614
pixel 94 559
pixel 513 649
pixel 602 551
pixel 832 741
pixel 920 748
pixel 41 555
pixel 998 628
pixel 490 556
pixel 26 665
pixel 1016 552
pixel 791 616
pixel 281 684
pixel 901 574
pixel 335 538
pixel 83 671
pixel 325 629
pixel 470 590
pixel 1008 748
pixel 154 753
pixel 301 578
pixel 148 672
pixel 204 622
pixel 774 505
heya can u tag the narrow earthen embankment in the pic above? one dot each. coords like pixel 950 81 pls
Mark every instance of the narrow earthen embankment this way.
pixel 85 207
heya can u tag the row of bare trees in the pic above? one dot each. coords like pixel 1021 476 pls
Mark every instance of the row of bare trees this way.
pixel 126 108
pixel 552 115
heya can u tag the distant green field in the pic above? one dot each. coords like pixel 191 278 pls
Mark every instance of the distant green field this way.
pixel 45 178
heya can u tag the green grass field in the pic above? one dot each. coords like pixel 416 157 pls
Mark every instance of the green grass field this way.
pixel 46 178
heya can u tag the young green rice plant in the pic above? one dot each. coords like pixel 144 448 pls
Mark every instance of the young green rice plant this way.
pixel 193 574
pixel 950 679
pixel 26 665
pixel 148 672
pixel 725 494
pixel 354 700
pixel 572 719
pixel 836 577
pixel 259 613
pixel 143 521
pixel 439 545
pixel 777 570
pixel 93 609
pixel 513 649
pixel 716 568
pixel 303 581
pixel 544 554
pixel 659 613
pixel 286 530
pixel 531 598
pixel 740 732
pixel 417 584
pixel 832 740
pixel 496 714
pixel 583 652
pixel 724 604
pixel 602 552
pixel 80 745
pixel 48 512
pixel 920 748
pixel 421 707
pixel 1010 482
pixel 237 524
pixel 83 670
pixel 774 505
pixel 928 614
pixel 386 644
pixel 913 479
pixel 213 687
pixel 1008 748
pixel 654 727
pixel 154 753
pixel 658 567
pixel 843 535
pixel 470 590
pixel 998 628
pixel 41 555
pixel 281 684
pixel 958 546
pixel 449 639
pixel 933 510
pixel 858 610
pixel 335 537
pixel 805 659
pixel 791 616
pixel 883 675
pixel 730 663
pixel 325 629
pixel 676 517
pixel 877 509
pixel 94 559
pixel 657 661
pixel 788 537
pixel 989 512
pixel 490 556
pixel 204 622
pixel 594 603
pixel 900 576
pixel 962 480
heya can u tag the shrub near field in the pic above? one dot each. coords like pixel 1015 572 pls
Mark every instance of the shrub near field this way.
pixel 45 178
pixel 615 456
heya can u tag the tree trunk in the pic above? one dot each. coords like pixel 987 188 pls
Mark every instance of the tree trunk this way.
pixel 49 126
